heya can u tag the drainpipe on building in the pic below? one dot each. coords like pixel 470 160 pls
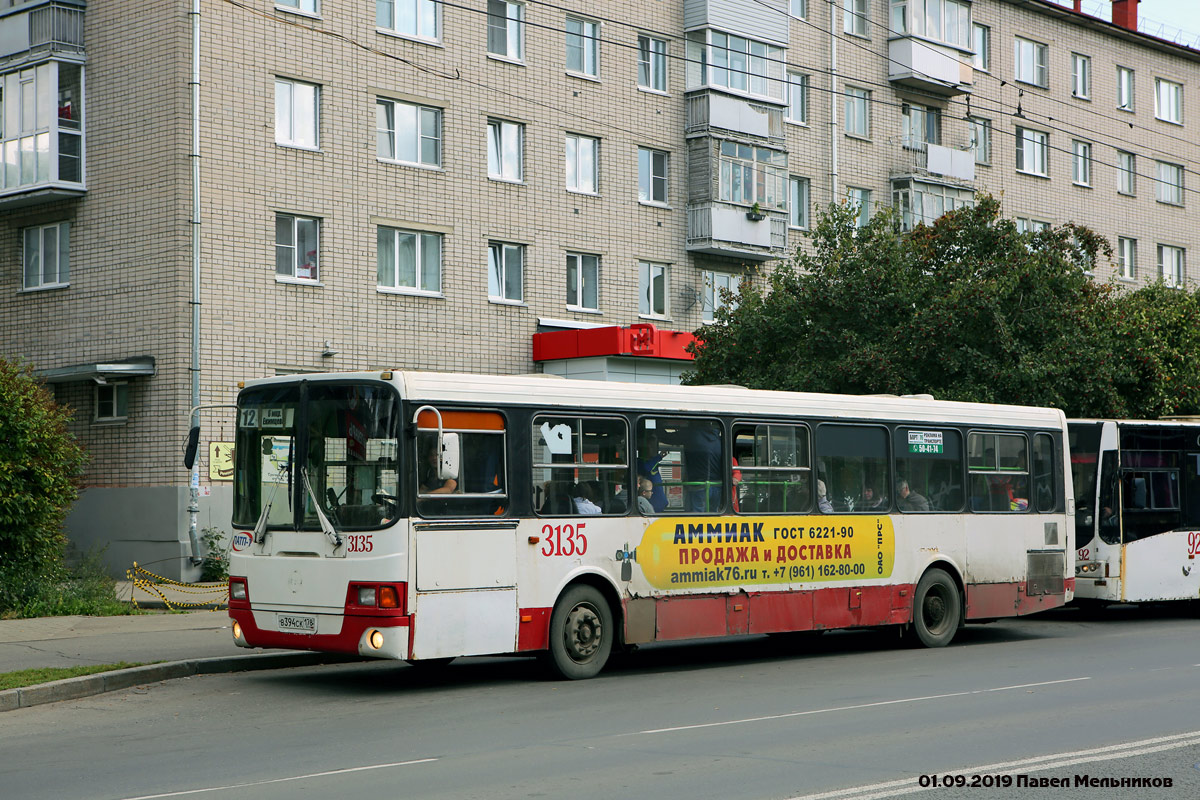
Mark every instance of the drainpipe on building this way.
pixel 194 480
pixel 833 106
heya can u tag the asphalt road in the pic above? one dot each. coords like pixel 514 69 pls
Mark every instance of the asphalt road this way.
pixel 847 715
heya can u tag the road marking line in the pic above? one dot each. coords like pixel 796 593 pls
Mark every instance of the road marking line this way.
pixel 856 707
pixel 1034 764
pixel 283 780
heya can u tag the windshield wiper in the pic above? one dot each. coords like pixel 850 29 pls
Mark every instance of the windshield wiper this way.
pixel 326 526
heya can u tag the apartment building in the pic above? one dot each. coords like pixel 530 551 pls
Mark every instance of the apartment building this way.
pixel 429 185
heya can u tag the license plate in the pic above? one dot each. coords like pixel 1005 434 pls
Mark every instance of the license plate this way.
pixel 297 623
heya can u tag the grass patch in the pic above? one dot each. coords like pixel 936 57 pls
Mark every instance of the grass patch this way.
pixel 56 590
pixel 32 677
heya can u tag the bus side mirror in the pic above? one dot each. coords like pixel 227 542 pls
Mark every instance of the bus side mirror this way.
pixel 189 451
pixel 448 468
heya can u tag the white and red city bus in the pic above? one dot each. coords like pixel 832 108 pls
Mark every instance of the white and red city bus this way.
pixel 425 516
pixel 1137 529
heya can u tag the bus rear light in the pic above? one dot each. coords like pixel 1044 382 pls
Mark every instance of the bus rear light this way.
pixel 366 596
pixel 238 589
pixel 375 639
pixel 388 597
pixel 384 596
pixel 237 631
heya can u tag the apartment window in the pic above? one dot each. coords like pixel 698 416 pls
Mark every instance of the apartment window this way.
pixel 797 109
pixel 417 18
pixel 749 175
pixel 798 202
pixel 1170 183
pixel 1081 163
pixel 505 143
pixel 652 176
pixel 409 133
pixel 582 160
pixel 1032 151
pixel 981 41
pixel 735 63
pixel 1126 172
pixel 583 46
pixel 506 263
pixel 860 201
pixel 296 113
pixel 304 6
pixel 946 21
pixel 921 125
pixel 1025 225
pixel 583 281
pixel 112 402
pixel 653 280
pixel 652 63
pixel 1171 265
pixel 1124 89
pixel 798 9
pixel 855 17
pixel 1168 101
pixel 858 111
pixel 1030 62
pixel 506 29
pixel 922 203
pixel 981 139
pixel 1081 76
pixel 716 284
pixel 47 255
pixel 296 247
pixel 1127 258
pixel 409 260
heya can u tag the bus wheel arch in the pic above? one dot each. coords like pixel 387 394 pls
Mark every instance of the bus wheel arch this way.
pixel 584 628
pixel 938 606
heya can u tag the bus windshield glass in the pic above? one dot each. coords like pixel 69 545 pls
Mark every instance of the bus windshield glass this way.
pixel 343 436
pixel 1085 450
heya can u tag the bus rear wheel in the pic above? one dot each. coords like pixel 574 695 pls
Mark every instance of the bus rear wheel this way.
pixel 581 633
pixel 937 609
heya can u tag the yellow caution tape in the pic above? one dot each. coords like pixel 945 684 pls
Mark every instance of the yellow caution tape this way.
pixel 152 584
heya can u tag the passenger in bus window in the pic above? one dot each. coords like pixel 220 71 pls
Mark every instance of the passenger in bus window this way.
pixel 645 492
pixel 648 458
pixel 428 482
pixel 871 500
pixel 585 499
pixel 703 471
pixel 908 500
pixel 823 498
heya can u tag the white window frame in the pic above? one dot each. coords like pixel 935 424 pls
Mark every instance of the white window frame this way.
pixel 797 107
pixel 583 278
pixel 119 402
pixel 506 151
pixel 387 269
pixel 747 174
pixel 1081 76
pixel 401 129
pixel 1170 183
pixel 798 9
pixel 1081 163
pixel 945 21
pixel 1125 89
pixel 1172 265
pixel 296 267
pixel 745 66
pixel 648 273
pixel 288 122
pixel 861 199
pixel 799 202
pixel 714 282
pixel 512 27
pixel 652 64
pixel 583 46
pixel 981 139
pixel 501 265
pixel 412 19
pixel 1126 173
pixel 309 8
pixel 33 246
pixel 855 17
pixel 981 43
pixel 582 163
pixel 1033 152
pixel 1168 101
pixel 858 112
pixel 653 176
pixel 1031 62
pixel 1126 258
pixel 920 125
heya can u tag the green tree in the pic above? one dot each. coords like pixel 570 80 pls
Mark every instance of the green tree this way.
pixel 40 466
pixel 965 309
pixel 1158 335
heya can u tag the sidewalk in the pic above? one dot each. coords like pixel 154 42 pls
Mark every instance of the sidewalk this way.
pixel 189 643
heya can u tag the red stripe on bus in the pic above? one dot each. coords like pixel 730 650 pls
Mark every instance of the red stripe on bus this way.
pixel 993 600
pixel 346 641
pixel 533 633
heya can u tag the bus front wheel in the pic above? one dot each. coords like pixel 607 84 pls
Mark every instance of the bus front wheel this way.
pixel 937 609
pixel 581 633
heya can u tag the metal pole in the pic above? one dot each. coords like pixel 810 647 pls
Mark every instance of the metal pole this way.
pixel 194 482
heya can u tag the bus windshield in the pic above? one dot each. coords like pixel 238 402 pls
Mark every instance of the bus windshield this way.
pixel 1085 451
pixel 343 436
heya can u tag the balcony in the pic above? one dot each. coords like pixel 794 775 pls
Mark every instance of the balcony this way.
pixel 952 164
pixel 928 66
pixel 35 30
pixel 724 229
pixel 709 112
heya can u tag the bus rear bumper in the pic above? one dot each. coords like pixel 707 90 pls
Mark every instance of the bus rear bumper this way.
pixel 371 636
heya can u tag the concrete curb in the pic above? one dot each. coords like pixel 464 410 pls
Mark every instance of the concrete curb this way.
pixel 89 685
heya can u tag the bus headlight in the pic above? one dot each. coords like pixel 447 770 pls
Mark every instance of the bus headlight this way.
pixel 375 639
pixel 1087 570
